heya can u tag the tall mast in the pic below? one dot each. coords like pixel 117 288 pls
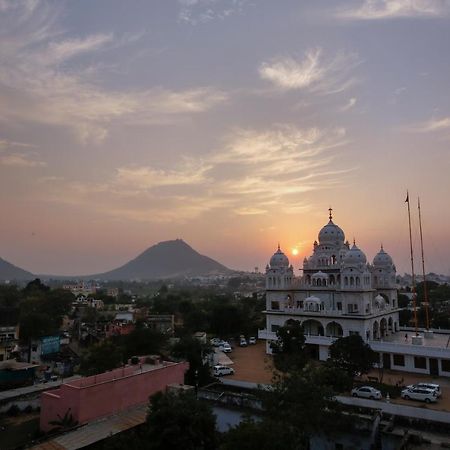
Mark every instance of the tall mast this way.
pixel 425 292
pixel 413 287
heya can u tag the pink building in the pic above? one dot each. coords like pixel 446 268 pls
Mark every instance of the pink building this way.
pixel 101 395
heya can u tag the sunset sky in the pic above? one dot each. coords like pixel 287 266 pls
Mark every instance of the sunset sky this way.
pixel 232 124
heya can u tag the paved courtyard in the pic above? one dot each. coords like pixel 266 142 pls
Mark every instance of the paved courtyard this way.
pixel 251 364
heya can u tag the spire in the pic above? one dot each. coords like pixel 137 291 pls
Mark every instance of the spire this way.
pixel 382 249
pixel 330 210
pixel 354 241
pixel 278 246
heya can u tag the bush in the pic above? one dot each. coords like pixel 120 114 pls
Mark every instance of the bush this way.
pixel 13 410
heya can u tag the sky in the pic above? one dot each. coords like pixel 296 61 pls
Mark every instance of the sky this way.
pixel 232 124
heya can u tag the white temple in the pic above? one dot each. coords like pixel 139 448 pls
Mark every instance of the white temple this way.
pixel 340 294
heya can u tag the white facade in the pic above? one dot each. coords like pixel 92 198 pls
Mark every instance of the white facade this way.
pixel 340 294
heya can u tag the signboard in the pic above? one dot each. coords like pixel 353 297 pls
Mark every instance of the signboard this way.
pixel 50 344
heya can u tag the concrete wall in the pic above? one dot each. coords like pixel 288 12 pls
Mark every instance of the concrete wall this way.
pixel 104 394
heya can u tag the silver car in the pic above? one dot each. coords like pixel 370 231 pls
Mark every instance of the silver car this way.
pixel 366 392
pixel 415 393
pixel 434 387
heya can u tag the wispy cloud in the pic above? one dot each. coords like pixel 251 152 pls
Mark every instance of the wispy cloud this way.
pixel 253 172
pixel 349 105
pixel 315 72
pixel 35 85
pixel 431 126
pixel 196 12
pixel 391 9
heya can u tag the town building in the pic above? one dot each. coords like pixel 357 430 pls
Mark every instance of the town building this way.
pixel 90 398
pixel 339 294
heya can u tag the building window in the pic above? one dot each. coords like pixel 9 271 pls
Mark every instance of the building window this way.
pixel 353 333
pixel 275 305
pixel 275 328
pixel 339 306
pixel 420 362
pixel 445 365
pixel 399 360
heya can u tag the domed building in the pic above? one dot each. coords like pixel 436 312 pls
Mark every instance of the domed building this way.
pixel 338 294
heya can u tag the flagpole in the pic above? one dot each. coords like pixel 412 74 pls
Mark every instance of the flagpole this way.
pixel 425 292
pixel 413 288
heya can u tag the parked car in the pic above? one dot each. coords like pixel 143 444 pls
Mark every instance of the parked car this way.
pixel 242 342
pixel 434 387
pixel 226 347
pixel 252 340
pixel 425 395
pixel 366 392
pixel 219 370
pixel 215 342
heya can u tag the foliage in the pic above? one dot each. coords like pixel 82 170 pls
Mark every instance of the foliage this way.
pixel 180 421
pixel 67 421
pixel 264 434
pixel 289 351
pixel 197 355
pixel 100 358
pixel 141 341
pixel 352 354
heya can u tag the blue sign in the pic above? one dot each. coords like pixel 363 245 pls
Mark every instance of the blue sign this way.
pixel 50 344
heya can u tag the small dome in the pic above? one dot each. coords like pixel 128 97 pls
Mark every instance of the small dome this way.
pixel 382 259
pixel 313 299
pixel 320 274
pixel 279 259
pixel 331 234
pixel 355 256
pixel 380 301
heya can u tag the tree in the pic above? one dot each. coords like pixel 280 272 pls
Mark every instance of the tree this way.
pixel 352 354
pixel 289 351
pixel 262 435
pixel 196 354
pixel 142 341
pixel 180 421
pixel 100 358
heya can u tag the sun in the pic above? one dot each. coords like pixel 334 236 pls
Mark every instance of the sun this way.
pixel 295 251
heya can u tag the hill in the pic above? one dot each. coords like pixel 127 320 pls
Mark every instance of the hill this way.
pixel 168 259
pixel 11 272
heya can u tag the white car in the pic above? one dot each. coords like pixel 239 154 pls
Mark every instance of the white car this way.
pixel 434 387
pixel 215 342
pixel 252 340
pixel 226 347
pixel 425 395
pixel 366 392
pixel 242 342
pixel 219 371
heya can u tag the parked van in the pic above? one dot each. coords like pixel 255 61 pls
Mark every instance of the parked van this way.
pixel 415 393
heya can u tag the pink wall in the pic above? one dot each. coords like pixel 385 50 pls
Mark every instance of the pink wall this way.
pixel 104 394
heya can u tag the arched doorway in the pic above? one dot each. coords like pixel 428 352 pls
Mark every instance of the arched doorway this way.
pixel 376 330
pixel 313 327
pixel 334 329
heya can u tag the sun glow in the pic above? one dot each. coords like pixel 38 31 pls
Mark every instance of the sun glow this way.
pixel 295 251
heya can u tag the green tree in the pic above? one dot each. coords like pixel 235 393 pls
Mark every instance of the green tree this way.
pixel 142 341
pixel 352 354
pixel 180 421
pixel 197 354
pixel 100 358
pixel 289 350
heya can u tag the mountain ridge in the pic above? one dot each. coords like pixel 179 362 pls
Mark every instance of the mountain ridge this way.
pixel 9 271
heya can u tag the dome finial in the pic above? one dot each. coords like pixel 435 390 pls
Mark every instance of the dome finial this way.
pixel 330 210
pixel 382 247
pixel 278 246
pixel 354 241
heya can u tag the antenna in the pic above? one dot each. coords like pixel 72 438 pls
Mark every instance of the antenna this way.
pixel 413 287
pixel 425 292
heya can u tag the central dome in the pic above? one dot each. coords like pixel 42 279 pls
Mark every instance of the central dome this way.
pixel 331 234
